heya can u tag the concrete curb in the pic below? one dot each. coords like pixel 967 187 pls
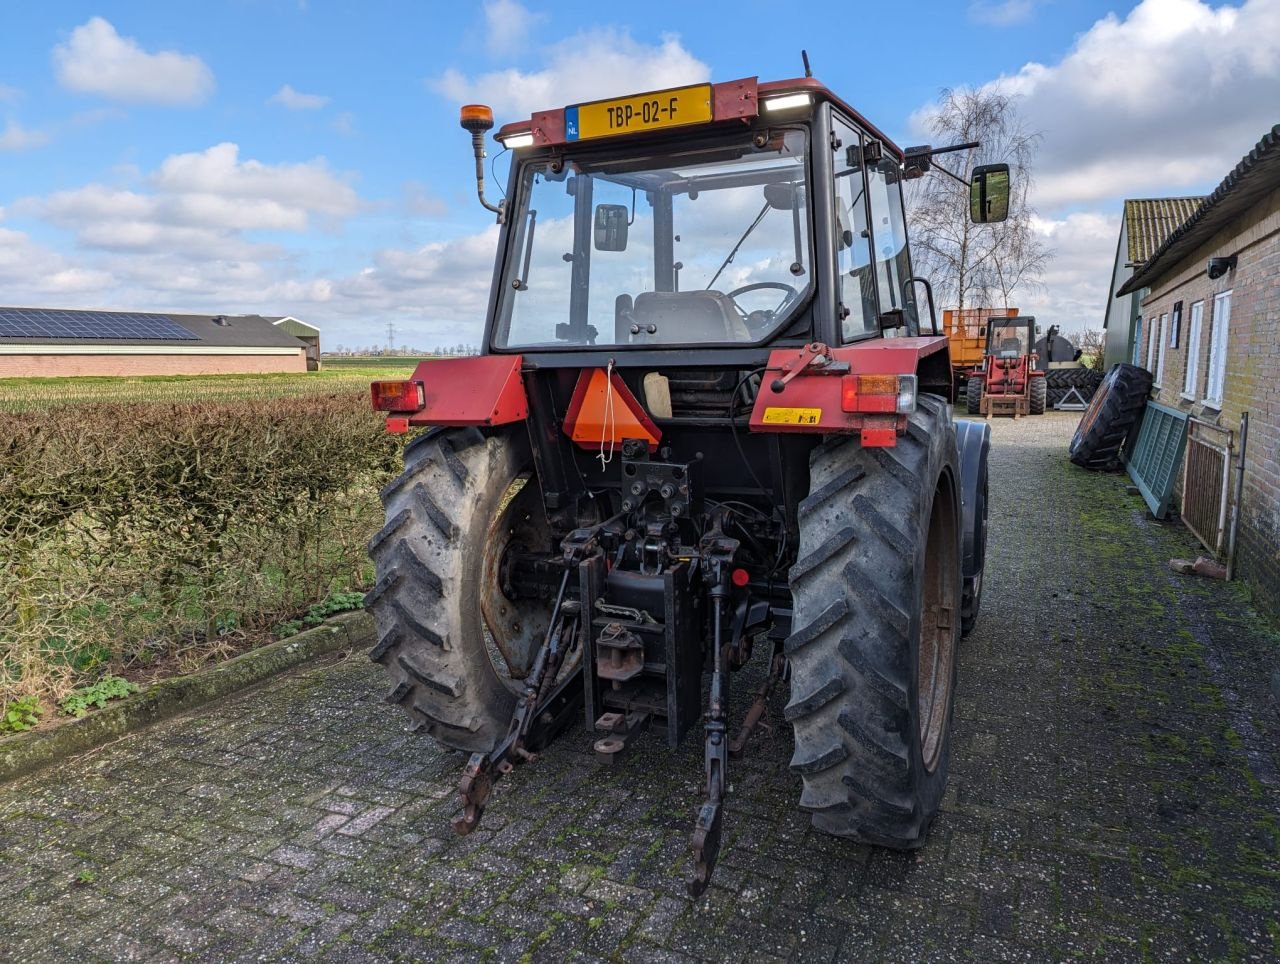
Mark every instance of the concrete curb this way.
pixel 25 752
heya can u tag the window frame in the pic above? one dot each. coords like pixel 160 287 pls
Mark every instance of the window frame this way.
pixel 849 337
pixel 1158 380
pixel 1219 332
pixel 1151 344
pixel 1191 373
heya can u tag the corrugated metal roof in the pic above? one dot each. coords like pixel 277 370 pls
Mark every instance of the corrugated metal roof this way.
pixel 240 331
pixel 1151 220
pixel 1255 177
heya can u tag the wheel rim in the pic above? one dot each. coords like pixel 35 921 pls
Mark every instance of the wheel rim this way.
pixel 514 630
pixel 938 625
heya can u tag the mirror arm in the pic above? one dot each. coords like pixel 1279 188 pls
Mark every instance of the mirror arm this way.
pixel 955 147
pixel 955 177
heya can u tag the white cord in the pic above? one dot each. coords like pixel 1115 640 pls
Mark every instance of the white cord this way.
pixel 610 424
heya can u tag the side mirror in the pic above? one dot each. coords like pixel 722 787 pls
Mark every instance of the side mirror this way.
pixel 611 227
pixel 989 194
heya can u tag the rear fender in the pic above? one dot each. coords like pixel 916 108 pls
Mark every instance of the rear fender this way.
pixel 974 442
pixel 481 390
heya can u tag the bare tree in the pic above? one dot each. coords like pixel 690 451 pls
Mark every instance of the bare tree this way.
pixel 976 263
pixel 1092 345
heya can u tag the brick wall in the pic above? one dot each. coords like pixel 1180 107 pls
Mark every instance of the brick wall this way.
pixel 55 366
pixel 1252 381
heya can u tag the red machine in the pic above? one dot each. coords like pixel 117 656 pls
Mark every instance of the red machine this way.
pixel 1008 383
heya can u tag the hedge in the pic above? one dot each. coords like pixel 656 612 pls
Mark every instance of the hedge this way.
pixel 135 533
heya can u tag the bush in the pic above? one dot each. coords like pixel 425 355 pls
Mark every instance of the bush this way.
pixel 132 533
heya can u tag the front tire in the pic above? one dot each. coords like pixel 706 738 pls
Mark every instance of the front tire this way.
pixel 973 395
pixel 1037 396
pixel 877 600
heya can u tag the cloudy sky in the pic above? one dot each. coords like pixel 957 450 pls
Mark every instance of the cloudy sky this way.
pixel 303 156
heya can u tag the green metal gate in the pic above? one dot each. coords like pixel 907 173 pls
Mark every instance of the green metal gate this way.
pixel 1156 455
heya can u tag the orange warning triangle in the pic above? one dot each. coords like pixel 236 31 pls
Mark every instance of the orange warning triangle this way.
pixel 604 410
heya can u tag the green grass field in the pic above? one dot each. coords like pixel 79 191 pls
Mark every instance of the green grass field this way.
pixel 338 375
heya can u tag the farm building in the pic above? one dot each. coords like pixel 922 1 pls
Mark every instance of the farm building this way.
pixel 1211 337
pixel 1144 227
pixel 309 335
pixel 51 342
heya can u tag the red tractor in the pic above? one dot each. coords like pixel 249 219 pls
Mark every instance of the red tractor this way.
pixel 708 423
pixel 1008 382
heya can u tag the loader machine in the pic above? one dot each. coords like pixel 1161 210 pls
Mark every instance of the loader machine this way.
pixel 1008 382
pixel 709 423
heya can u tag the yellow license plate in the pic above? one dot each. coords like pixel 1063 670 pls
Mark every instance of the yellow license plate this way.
pixel 792 416
pixel 643 112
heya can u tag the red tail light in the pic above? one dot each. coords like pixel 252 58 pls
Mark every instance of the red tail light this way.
pixel 398 396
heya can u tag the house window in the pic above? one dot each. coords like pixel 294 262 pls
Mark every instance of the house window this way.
pixel 1191 380
pixel 1137 341
pixel 1152 339
pixel 1218 349
pixel 1160 339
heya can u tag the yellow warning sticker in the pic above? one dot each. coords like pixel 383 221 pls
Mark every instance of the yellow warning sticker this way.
pixel 792 416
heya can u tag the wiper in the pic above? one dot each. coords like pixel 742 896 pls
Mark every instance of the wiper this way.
pixel 741 241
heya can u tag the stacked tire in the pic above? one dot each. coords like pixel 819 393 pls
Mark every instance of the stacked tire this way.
pixel 1113 412
pixel 1060 382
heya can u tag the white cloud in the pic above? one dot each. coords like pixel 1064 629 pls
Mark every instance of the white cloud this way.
pixel 199 205
pixel 97 60
pixel 345 124
pixel 1001 13
pixel 589 66
pixel 15 137
pixel 508 26
pixel 1075 283
pixel 1166 99
pixel 286 96
pixel 418 200
pixel 33 274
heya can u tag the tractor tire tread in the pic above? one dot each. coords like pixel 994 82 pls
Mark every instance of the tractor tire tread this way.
pixel 425 557
pixel 850 657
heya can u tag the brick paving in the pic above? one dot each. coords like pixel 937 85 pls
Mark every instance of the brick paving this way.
pixel 1114 795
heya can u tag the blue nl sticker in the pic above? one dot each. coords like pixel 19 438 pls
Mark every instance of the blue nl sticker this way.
pixel 571 123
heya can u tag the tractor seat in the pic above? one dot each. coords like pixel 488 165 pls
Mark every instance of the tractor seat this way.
pixel 685 317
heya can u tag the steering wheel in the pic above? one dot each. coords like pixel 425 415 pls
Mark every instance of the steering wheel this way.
pixel 758 321
pixel 780 285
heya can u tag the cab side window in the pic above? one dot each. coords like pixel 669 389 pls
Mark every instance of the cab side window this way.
pixel 889 236
pixel 857 289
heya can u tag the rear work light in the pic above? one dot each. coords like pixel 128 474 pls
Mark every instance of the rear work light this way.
pixel 398 396
pixel 884 394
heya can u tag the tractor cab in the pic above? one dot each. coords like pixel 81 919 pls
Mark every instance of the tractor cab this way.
pixel 1010 339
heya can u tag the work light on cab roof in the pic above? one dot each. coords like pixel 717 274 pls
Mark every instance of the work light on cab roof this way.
pixel 704 325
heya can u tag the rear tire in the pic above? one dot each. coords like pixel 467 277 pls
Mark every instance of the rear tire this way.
pixel 973 395
pixel 436 602
pixel 877 596
pixel 1113 411
pixel 1037 396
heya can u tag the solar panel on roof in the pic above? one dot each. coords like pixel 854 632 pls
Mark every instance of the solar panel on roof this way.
pixel 60 323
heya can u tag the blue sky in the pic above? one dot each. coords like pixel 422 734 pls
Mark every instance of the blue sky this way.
pixel 304 157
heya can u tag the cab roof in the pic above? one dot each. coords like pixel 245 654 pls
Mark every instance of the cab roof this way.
pixel 731 100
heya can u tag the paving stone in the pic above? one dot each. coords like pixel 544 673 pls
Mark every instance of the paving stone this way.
pixel 1112 796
